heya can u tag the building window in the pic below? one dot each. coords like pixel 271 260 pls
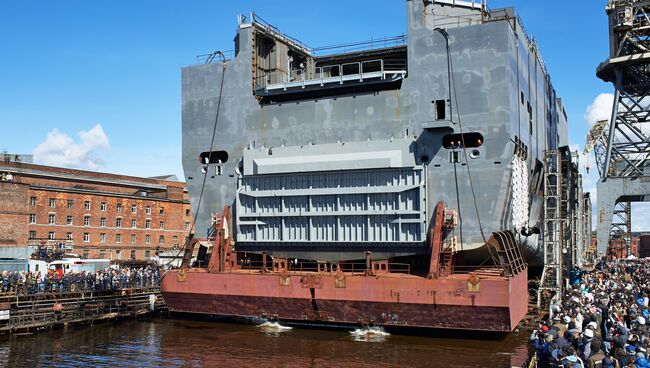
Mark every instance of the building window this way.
pixel 102 222
pixel 133 238
pixel 102 238
pixel 102 206
pixel 87 205
pixel 68 220
pixel 148 210
pixel 86 237
pixel 187 212
pixel 32 218
pixel 147 254
pixel 52 203
pixel 86 220
pixel 147 239
pixel 32 201
pixel 70 203
pixel 162 224
pixel 161 239
pixel 133 224
pixel 50 235
pixel 102 253
pixel 162 210
pixel 118 238
pixel 175 239
pixel 119 207
pixel 85 256
pixel 147 224
pixel 118 254
pixel 133 254
pixel 68 236
pixel 51 219
pixel 32 234
pixel 187 225
pixel 118 222
pixel 134 208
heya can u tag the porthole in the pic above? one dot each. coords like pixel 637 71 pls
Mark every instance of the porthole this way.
pixel 474 153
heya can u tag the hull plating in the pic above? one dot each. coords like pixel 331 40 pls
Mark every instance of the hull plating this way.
pixel 499 304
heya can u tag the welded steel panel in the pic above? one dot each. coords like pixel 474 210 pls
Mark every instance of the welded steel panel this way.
pixel 326 208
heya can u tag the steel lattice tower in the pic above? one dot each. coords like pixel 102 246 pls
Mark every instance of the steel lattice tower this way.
pixel 598 140
pixel 626 165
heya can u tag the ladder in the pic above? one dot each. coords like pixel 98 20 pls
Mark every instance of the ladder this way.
pixel 553 225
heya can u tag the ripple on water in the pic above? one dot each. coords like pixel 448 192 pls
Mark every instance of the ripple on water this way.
pixel 177 343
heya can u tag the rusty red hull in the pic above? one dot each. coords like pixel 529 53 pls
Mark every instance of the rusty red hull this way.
pixel 491 304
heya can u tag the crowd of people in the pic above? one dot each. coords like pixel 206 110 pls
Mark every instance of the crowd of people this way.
pixel 103 280
pixel 600 321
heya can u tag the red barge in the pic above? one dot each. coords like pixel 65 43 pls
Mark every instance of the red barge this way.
pixel 375 293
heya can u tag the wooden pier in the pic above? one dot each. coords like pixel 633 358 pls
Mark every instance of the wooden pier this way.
pixel 46 311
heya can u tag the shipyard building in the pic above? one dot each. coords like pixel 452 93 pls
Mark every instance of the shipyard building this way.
pixel 96 215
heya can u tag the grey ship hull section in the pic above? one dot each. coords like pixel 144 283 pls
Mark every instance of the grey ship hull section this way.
pixel 495 71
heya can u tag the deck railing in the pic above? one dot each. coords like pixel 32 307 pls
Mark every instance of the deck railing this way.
pixel 377 69
pixel 300 268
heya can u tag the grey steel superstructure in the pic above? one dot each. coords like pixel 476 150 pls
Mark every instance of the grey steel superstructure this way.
pixel 325 157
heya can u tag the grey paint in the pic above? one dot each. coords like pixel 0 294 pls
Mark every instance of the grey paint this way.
pixel 612 191
pixel 494 66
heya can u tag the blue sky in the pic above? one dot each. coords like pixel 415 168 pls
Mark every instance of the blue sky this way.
pixel 67 66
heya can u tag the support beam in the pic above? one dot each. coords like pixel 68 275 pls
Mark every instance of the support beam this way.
pixel 610 192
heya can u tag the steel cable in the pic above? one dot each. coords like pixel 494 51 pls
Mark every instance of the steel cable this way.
pixel 205 174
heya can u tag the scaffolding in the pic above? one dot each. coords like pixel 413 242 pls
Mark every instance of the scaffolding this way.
pixel 551 281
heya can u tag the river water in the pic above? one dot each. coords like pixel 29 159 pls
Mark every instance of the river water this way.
pixel 184 343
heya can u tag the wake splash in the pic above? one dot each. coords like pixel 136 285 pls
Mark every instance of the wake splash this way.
pixel 371 334
pixel 273 327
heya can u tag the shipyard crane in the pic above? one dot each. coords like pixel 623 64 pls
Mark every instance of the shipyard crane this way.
pixel 597 141
pixel 620 230
pixel 626 145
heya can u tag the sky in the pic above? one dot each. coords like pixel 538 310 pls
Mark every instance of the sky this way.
pixel 96 84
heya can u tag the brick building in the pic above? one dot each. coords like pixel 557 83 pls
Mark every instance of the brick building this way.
pixel 99 215
pixel 618 249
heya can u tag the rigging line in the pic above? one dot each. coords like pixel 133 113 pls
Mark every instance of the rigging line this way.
pixel 444 33
pixel 460 217
pixel 214 131
pixel 462 137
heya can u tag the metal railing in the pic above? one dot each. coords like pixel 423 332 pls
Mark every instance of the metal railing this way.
pixel 275 31
pixel 334 73
pixel 301 268
pixel 460 270
pixel 43 311
pixel 210 58
pixel 372 44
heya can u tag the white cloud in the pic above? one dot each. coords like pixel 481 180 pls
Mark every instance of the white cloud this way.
pixel 640 218
pixel 600 109
pixel 59 149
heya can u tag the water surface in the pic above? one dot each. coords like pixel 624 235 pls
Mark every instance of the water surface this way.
pixel 183 343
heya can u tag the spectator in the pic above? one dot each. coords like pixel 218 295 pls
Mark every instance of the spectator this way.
pixel 600 320
pixel 102 280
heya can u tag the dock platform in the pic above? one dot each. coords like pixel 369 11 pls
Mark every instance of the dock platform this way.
pixel 45 311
